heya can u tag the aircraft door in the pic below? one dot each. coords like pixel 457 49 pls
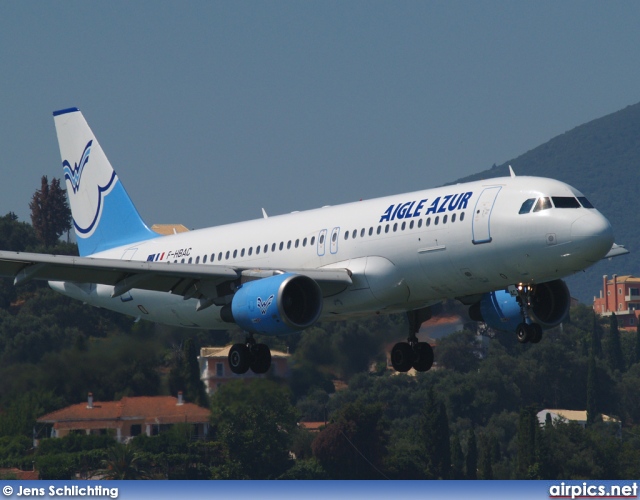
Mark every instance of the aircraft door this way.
pixel 335 232
pixel 322 237
pixel 481 226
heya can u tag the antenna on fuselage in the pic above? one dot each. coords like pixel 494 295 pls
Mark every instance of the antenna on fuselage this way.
pixel 513 174
pixel 264 214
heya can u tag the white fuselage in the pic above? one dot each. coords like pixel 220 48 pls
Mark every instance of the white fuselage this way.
pixel 404 252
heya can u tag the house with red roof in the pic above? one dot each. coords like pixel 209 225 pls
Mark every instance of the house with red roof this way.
pixel 128 417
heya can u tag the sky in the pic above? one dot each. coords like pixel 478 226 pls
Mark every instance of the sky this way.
pixel 210 111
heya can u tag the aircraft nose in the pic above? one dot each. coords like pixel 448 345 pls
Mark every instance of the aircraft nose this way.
pixel 595 232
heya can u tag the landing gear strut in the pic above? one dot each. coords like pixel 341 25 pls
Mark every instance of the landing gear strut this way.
pixel 413 354
pixel 249 355
pixel 527 331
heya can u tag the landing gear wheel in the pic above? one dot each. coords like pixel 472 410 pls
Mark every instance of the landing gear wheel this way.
pixel 239 358
pixel 402 357
pixel 261 361
pixel 536 333
pixel 524 333
pixel 424 357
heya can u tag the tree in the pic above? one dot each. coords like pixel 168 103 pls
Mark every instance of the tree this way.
pixel 527 434
pixel 592 385
pixel 185 375
pixel 255 421
pixel 434 434
pixel 472 456
pixel 353 445
pixel 50 214
pixel 123 462
pixel 637 346
pixel 615 358
pixel 457 459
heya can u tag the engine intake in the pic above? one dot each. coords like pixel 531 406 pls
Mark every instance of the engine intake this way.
pixel 277 305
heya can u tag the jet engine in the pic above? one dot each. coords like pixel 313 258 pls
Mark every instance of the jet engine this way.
pixel 549 306
pixel 277 305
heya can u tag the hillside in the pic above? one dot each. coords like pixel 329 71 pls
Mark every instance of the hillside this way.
pixel 600 158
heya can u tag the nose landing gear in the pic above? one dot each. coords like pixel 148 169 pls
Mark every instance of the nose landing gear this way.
pixel 527 331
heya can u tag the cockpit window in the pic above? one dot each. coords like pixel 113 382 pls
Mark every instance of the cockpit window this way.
pixel 585 203
pixel 542 204
pixel 526 206
pixel 565 202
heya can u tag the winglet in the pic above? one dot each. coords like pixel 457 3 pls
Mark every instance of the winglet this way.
pixel 513 174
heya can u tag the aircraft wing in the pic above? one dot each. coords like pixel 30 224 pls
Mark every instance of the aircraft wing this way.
pixel 189 280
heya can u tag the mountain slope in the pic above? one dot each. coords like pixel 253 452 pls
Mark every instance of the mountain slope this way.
pixel 600 158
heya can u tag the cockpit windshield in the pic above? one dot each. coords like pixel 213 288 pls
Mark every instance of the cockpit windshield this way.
pixel 546 202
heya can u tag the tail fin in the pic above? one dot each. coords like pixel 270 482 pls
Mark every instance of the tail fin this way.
pixel 103 215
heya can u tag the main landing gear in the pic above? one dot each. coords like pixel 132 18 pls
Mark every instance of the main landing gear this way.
pixel 249 355
pixel 413 354
pixel 527 331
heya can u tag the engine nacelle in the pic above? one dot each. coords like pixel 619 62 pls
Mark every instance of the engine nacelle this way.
pixel 550 304
pixel 277 305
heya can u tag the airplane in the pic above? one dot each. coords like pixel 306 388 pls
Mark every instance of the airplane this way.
pixel 500 246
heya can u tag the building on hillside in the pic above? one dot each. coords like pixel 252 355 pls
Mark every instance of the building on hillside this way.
pixel 620 295
pixel 127 418
pixel 577 416
pixel 215 370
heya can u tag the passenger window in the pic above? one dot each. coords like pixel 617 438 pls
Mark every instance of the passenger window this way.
pixel 321 239
pixel 226 256
pixel 370 231
pixel 297 243
pixel 453 218
pixel 198 259
pixel 242 253
pixel 334 237
pixel 304 242
pixel 386 228
pixel 585 203
pixel 419 223
pixel 266 248
pixel 461 216
pixel 379 230
pixel 526 206
pixel 281 245
pixel 313 241
pixel 437 219
pixel 289 245
pixel 250 250
pixel 395 227
pixel 404 224
pixel 444 219
pixel 235 254
pixel 346 235
pixel 204 259
pixel 354 234
pixel 258 250
pixel 220 256
pixel 190 260
pixel 411 225
pixel 542 204
pixel 428 223
pixel 273 247
pixel 362 233
pixel 565 202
